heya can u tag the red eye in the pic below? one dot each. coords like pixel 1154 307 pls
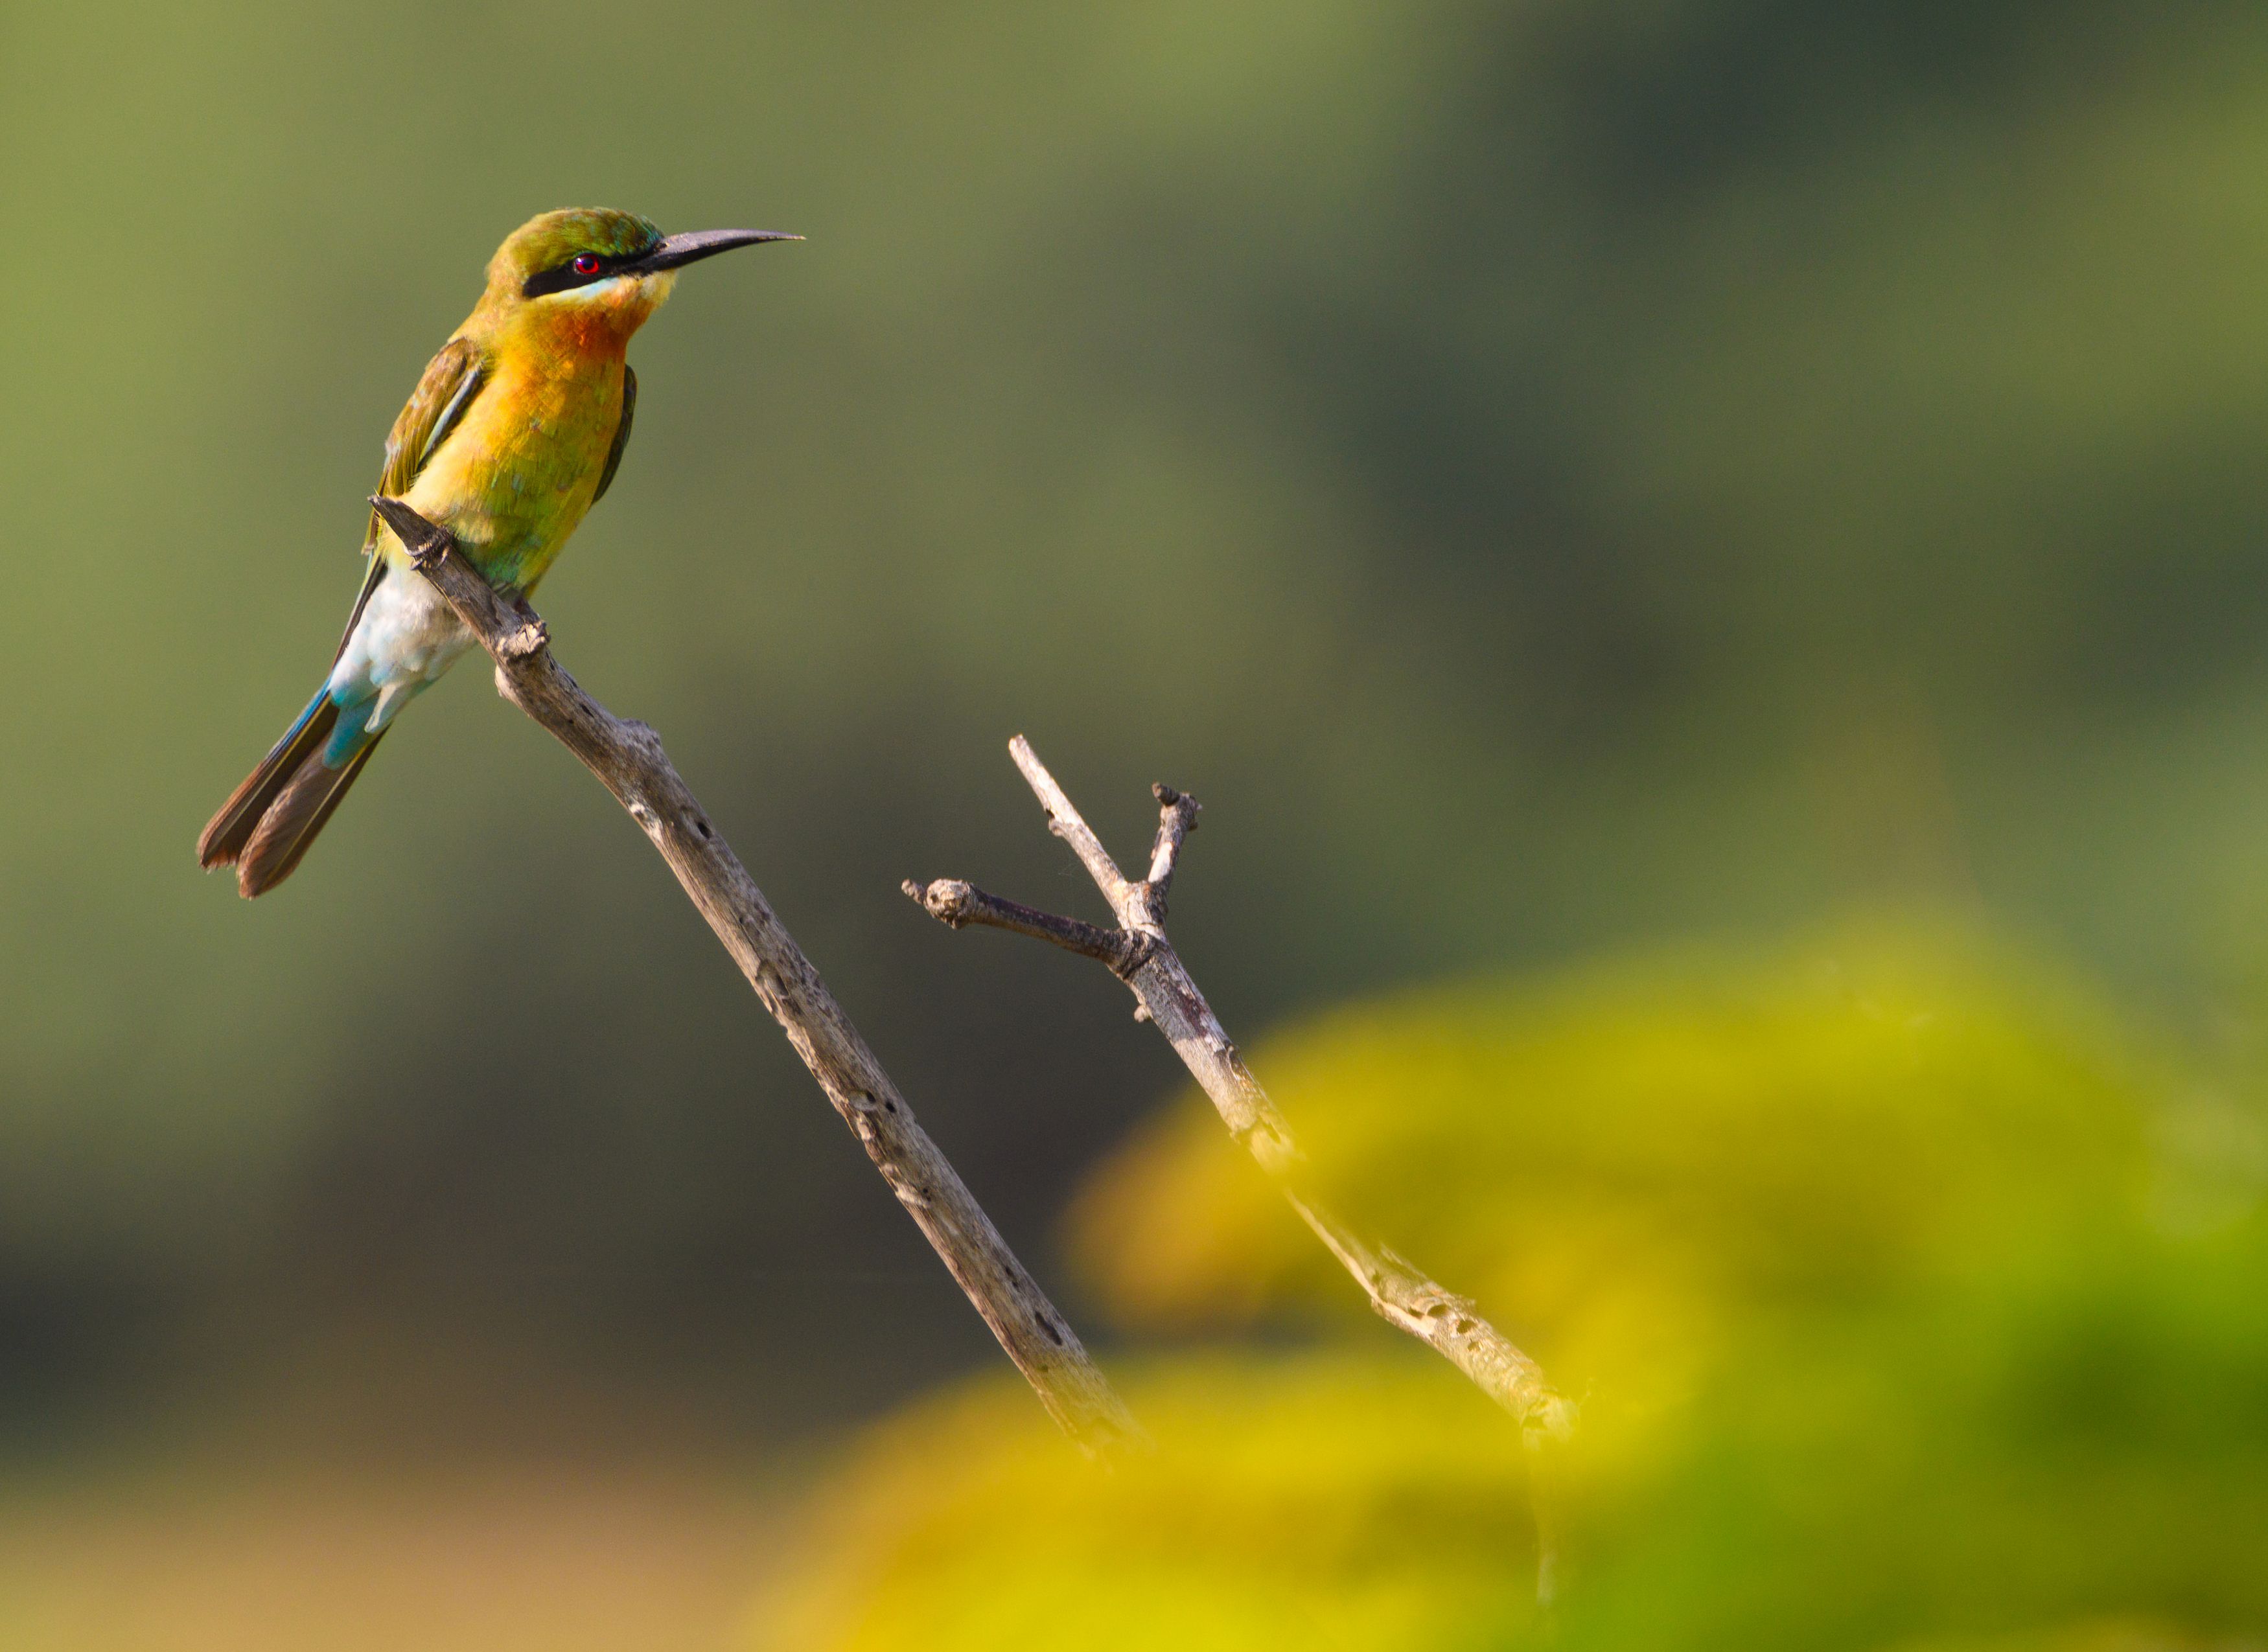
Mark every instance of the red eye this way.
pixel 588 263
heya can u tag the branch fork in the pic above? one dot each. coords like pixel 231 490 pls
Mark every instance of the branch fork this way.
pixel 1138 953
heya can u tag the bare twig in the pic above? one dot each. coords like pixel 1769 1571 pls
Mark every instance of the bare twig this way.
pixel 953 903
pixel 1401 1294
pixel 1177 818
pixel 628 759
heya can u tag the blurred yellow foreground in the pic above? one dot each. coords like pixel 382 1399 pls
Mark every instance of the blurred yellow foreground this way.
pixel 1909 1307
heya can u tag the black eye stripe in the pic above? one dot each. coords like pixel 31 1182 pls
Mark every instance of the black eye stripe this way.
pixel 562 276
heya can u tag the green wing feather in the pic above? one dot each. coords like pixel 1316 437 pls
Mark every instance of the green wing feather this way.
pixel 435 407
pixel 621 434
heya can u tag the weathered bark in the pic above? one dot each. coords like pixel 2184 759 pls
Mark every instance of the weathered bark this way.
pixel 1139 954
pixel 628 761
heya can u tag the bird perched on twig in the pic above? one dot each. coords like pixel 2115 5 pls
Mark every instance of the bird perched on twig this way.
pixel 513 434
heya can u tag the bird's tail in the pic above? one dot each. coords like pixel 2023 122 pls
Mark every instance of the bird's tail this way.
pixel 268 821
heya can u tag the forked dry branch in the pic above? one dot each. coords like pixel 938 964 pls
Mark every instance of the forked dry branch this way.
pixel 628 759
pixel 1139 954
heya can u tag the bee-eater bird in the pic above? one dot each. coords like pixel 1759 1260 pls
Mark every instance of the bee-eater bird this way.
pixel 512 434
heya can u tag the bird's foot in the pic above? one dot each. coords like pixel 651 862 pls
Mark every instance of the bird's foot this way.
pixel 427 543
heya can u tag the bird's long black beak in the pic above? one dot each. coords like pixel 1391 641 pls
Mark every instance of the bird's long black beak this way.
pixel 680 250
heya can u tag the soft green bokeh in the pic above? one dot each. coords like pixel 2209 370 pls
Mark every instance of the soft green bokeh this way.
pixel 1639 1161
pixel 1896 1316
pixel 1552 476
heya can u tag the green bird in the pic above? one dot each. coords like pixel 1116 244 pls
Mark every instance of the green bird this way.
pixel 513 434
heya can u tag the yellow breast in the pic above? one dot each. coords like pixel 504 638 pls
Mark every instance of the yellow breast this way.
pixel 515 478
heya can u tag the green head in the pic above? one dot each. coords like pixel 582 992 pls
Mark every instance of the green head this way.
pixel 593 260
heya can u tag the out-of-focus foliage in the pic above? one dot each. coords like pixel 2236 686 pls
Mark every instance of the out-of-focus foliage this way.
pixel 2075 1429
pixel 1902 1316
pixel 1300 1501
pixel 1636 1161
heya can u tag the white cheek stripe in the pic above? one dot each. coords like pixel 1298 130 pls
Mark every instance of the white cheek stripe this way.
pixel 615 289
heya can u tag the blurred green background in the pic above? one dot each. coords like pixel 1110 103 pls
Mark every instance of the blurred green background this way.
pixel 1555 479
